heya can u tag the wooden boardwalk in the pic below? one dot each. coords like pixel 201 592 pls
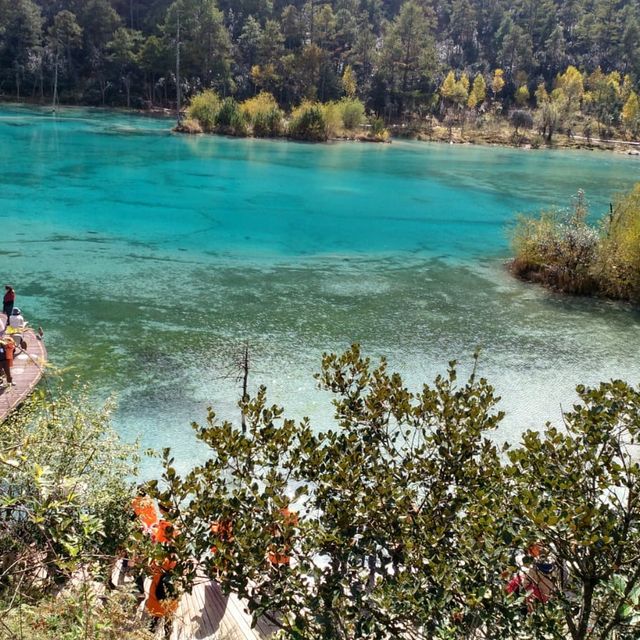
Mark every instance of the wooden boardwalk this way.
pixel 26 373
pixel 207 614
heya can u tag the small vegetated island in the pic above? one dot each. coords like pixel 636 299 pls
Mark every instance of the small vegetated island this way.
pixel 564 251
pixel 261 117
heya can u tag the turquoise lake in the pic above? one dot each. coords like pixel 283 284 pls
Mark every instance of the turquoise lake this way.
pixel 149 258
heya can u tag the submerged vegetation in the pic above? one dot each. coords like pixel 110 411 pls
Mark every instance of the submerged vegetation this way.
pixel 562 250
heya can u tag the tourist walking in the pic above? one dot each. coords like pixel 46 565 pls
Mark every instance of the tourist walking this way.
pixel 8 300
pixel 7 347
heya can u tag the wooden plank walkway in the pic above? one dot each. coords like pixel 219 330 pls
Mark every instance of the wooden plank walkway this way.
pixel 208 614
pixel 26 373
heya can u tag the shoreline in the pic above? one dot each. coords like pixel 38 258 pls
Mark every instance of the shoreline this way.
pixel 434 134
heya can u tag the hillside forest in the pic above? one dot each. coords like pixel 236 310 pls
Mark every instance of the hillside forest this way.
pixel 405 60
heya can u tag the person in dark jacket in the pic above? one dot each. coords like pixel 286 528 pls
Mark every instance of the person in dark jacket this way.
pixel 8 300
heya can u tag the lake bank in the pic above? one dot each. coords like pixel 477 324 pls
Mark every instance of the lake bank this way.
pixel 503 137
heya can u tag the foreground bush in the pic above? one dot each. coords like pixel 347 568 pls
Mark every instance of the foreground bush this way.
pixel 405 520
pixel 65 490
pixel 78 614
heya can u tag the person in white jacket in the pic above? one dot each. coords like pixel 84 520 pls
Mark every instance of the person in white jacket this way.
pixel 16 320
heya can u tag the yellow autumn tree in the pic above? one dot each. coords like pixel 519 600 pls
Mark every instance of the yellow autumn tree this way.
pixel 448 87
pixel 631 113
pixel 478 93
pixel 541 94
pixel 349 82
pixel 522 95
pixel 571 85
pixel 498 82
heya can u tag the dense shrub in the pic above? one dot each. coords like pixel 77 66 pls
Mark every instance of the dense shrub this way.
pixel 230 119
pixel 618 258
pixel 352 113
pixel 308 123
pixel 204 109
pixel 558 249
pixel 264 115
pixel 563 251
pixel 343 116
pixel 64 491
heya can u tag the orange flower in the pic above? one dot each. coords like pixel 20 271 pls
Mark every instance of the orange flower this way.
pixel 276 558
pixel 146 510
pixel 163 532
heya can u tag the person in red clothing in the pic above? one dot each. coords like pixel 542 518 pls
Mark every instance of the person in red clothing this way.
pixel 7 347
pixel 539 582
pixel 8 300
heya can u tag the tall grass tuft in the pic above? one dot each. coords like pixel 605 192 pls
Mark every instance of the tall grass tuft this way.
pixel 617 265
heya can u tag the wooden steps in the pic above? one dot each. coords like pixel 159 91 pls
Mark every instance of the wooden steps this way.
pixel 26 373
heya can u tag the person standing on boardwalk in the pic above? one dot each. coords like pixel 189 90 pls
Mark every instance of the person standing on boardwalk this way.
pixel 8 300
pixel 7 347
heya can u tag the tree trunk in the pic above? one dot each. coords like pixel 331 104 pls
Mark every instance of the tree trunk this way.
pixel 55 82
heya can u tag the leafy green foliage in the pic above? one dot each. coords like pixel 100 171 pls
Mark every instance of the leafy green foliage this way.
pixel 264 115
pixel 230 119
pixel 308 123
pixel 404 520
pixel 577 494
pixel 204 109
pixel 64 491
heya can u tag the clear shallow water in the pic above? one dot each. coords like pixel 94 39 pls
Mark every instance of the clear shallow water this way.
pixel 150 257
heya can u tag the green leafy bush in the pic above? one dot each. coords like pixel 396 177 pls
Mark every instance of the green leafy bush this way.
pixel 403 519
pixel 204 109
pixel 65 490
pixel 352 113
pixel 264 115
pixel 561 250
pixel 308 123
pixel 230 119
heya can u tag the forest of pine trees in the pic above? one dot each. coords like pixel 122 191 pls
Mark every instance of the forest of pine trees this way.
pixel 398 55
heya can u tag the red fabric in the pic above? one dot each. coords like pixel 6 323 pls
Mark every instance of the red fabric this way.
pixel 10 296
pixel 9 347
pixel 533 592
